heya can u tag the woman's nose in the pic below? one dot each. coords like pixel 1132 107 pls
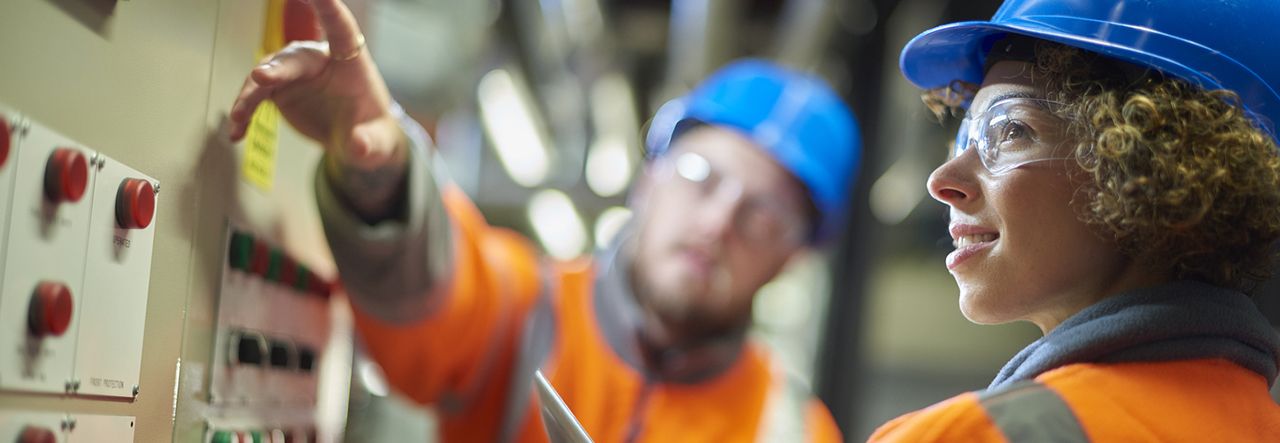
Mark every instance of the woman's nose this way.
pixel 954 182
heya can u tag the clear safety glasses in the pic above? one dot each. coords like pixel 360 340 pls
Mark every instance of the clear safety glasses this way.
pixel 1011 133
pixel 759 219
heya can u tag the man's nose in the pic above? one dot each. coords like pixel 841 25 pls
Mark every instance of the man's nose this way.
pixel 718 213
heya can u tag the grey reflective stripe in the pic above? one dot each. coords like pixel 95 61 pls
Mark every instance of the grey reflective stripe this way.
pixel 1031 412
pixel 785 416
pixel 540 329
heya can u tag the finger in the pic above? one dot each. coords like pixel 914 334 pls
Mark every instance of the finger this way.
pixel 251 95
pixel 340 27
pixel 298 61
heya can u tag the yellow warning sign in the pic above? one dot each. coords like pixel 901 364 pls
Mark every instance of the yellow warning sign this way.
pixel 261 137
pixel 260 146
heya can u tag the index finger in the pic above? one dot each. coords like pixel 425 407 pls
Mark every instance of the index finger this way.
pixel 340 27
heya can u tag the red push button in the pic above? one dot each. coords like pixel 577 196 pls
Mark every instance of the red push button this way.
pixel 33 434
pixel 135 204
pixel 50 310
pixel 66 175
pixel 6 138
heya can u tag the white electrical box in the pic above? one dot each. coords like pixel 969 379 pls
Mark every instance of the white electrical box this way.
pixel 18 426
pixel 12 126
pixel 100 428
pixel 117 274
pixel 44 262
pixel 44 427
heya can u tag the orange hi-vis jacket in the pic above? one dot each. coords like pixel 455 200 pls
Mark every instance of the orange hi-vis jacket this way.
pixel 1185 362
pixel 500 312
pixel 1181 401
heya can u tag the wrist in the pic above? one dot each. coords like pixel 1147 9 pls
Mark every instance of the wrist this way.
pixel 373 188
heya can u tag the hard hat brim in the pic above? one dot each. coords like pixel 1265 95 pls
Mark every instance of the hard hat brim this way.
pixel 958 51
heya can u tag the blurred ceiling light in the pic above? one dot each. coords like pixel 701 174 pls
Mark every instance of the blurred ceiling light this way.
pixel 514 127
pixel 613 105
pixel 896 193
pixel 609 223
pixel 608 166
pixel 583 20
pixel 615 151
pixel 557 224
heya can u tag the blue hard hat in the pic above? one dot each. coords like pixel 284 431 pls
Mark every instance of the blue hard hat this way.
pixel 1214 44
pixel 794 117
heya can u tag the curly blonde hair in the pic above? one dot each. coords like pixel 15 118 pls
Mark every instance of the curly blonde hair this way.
pixel 1179 175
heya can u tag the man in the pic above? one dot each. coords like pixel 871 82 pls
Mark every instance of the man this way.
pixel 645 343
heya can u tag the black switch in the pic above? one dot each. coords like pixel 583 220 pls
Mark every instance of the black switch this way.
pixel 281 354
pixel 249 349
pixel 306 359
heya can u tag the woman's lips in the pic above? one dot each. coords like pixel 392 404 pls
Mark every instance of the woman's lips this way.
pixel 963 253
pixel 969 241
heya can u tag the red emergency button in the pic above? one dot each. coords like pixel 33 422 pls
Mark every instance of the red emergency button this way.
pixel 66 175
pixel 6 137
pixel 50 310
pixel 135 204
pixel 33 434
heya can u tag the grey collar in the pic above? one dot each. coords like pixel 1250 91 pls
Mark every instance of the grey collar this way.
pixel 1181 320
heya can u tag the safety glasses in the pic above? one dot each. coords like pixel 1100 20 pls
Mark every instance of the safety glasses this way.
pixel 1012 133
pixel 760 219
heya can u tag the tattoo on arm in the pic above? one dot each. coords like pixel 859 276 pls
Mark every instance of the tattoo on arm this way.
pixel 374 195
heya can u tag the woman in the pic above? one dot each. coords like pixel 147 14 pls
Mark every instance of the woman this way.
pixel 1116 182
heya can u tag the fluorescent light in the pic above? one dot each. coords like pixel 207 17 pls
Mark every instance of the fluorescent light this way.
pixel 609 223
pixel 513 126
pixel 557 224
pixel 608 166
pixel 615 151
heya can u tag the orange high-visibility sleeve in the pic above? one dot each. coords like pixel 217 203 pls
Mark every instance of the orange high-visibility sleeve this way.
pixel 1188 400
pixel 449 356
pixel 960 418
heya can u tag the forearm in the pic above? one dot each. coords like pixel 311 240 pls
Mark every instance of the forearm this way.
pixel 390 235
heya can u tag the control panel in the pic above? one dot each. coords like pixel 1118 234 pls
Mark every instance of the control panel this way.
pixel 122 313
pixel 272 329
pixel 76 264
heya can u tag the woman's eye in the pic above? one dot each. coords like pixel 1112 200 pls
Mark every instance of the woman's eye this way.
pixel 1013 131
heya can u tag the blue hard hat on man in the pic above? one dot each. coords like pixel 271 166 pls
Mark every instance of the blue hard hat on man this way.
pixel 1216 45
pixel 796 118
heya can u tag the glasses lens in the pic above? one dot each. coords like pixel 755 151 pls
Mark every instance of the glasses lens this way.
pixel 1015 132
pixel 693 167
pixel 962 140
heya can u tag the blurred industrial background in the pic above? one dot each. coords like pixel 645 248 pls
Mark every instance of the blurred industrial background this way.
pixel 538 108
